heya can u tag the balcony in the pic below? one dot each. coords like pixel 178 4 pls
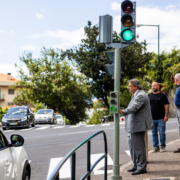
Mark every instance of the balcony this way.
pixel 2 97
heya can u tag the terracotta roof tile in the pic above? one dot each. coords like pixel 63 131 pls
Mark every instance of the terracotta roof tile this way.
pixel 3 77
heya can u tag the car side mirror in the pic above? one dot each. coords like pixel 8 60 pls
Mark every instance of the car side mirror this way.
pixel 17 140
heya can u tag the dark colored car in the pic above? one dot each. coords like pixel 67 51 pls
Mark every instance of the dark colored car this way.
pixel 19 116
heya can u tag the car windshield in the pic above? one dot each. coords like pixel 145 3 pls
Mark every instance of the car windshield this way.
pixel 59 117
pixel 17 111
pixel 45 111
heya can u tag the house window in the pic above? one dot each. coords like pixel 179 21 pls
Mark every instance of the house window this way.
pixel 10 91
pixel 10 103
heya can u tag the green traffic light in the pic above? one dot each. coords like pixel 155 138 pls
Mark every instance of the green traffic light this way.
pixel 127 34
pixel 113 109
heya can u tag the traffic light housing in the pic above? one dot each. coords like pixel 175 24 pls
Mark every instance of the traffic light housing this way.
pixel 114 105
pixel 128 22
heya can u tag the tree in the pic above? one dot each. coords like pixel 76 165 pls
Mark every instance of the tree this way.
pixel 38 105
pixel 52 81
pixel 90 58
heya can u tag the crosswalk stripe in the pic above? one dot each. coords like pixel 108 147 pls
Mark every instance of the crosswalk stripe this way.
pixel 73 126
pixel 94 158
pixel 42 128
pixel 26 129
pixel 89 125
pixel 65 171
pixel 105 124
pixel 58 127
pixel 8 131
pixel 128 152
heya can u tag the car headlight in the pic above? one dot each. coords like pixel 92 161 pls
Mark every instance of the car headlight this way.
pixel 24 118
pixel 4 119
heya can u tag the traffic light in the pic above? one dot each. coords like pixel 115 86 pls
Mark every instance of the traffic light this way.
pixel 110 67
pixel 128 22
pixel 114 105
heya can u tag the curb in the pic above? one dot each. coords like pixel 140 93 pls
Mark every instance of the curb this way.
pixel 149 152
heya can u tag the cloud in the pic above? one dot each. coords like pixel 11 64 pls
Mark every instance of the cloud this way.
pixel 2 31
pixel 67 39
pixel 115 6
pixel 39 16
pixel 10 68
pixel 167 18
pixel 28 47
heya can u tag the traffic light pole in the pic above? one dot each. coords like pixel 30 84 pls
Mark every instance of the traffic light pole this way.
pixel 117 72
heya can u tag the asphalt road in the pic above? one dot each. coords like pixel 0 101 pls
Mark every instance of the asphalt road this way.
pixel 46 143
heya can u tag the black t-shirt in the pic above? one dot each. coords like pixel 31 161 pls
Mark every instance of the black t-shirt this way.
pixel 157 102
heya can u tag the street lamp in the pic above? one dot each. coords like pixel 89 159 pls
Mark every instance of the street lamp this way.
pixel 139 25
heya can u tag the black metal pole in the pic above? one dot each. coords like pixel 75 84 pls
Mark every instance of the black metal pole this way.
pixel 57 177
pixel 89 158
pixel 73 167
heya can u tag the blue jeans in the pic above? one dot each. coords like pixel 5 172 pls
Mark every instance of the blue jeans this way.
pixel 161 126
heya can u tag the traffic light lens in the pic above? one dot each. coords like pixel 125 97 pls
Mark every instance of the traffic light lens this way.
pixel 113 109
pixel 127 21
pixel 127 34
pixel 113 102
pixel 113 95
pixel 127 7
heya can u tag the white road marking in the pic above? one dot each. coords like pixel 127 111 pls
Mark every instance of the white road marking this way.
pixel 121 122
pixel 105 124
pixel 26 129
pixel 58 127
pixel 128 152
pixel 89 125
pixel 121 127
pixel 42 128
pixel 94 158
pixel 65 171
pixel 73 133
pixel 8 130
pixel 73 126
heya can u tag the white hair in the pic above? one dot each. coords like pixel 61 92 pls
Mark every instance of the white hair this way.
pixel 177 76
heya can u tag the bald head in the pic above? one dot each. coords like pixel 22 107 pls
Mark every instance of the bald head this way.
pixel 155 87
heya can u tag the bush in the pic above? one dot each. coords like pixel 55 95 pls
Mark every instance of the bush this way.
pixel 66 120
pixel 96 117
pixel 38 105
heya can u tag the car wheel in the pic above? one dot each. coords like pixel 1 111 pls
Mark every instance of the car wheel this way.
pixel 26 176
pixel 33 125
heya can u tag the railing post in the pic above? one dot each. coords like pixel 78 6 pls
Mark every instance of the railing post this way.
pixel 73 167
pixel 106 152
pixel 57 177
pixel 89 158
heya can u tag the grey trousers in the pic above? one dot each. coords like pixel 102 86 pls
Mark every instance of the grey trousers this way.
pixel 178 116
pixel 137 149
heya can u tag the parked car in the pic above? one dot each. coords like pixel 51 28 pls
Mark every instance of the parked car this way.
pixel 19 116
pixel 45 116
pixel 14 163
pixel 60 120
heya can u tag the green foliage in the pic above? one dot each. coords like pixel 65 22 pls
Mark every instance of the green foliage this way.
pixel 54 82
pixel 5 110
pixel 1 113
pixel 38 105
pixel 91 59
pixel 66 120
pixel 96 117
pixel 99 104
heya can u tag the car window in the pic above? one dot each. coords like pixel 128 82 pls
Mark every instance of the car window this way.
pixel 59 117
pixel 2 142
pixel 45 111
pixel 17 111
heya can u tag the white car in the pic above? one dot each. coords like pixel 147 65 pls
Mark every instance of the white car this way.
pixel 45 116
pixel 14 163
pixel 60 120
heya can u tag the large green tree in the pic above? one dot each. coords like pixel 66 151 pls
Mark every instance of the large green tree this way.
pixel 52 81
pixel 90 57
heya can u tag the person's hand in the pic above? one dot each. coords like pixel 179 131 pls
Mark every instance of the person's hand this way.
pixel 120 111
pixel 165 118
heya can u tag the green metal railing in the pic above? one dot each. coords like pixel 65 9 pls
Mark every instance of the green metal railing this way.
pixel 55 174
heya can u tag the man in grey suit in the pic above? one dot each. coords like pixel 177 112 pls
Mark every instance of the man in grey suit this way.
pixel 138 119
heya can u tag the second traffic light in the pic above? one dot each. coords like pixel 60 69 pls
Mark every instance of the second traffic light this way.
pixel 128 22
pixel 114 102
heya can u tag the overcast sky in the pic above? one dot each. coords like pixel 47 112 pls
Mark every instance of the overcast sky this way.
pixel 30 25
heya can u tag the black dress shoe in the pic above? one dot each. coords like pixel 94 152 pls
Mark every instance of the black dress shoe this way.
pixel 138 172
pixel 131 170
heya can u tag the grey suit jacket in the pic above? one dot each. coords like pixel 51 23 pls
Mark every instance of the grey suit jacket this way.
pixel 138 116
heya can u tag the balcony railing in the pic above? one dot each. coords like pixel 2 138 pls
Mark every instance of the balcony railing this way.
pixel 2 97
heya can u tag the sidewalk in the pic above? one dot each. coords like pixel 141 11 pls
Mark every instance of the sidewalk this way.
pixel 161 166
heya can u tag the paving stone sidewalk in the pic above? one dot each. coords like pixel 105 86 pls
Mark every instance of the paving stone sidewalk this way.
pixel 165 166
